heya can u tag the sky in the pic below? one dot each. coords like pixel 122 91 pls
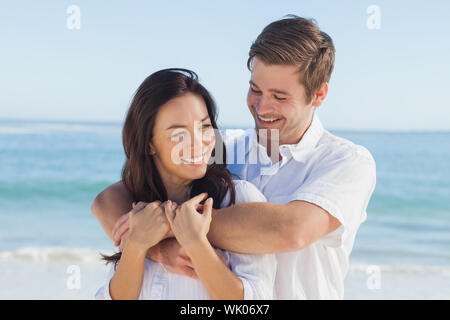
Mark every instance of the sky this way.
pixel 394 77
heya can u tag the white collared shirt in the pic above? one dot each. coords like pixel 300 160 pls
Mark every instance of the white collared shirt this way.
pixel 256 271
pixel 328 171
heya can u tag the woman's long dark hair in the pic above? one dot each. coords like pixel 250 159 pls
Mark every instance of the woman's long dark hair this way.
pixel 139 174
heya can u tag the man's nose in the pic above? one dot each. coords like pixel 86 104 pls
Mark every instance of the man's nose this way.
pixel 263 105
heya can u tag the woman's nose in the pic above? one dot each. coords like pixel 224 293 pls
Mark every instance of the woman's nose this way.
pixel 197 143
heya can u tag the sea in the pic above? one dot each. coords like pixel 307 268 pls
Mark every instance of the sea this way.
pixel 50 243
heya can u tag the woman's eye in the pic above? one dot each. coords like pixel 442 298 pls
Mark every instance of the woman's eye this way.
pixel 178 134
pixel 205 126
pixel 279 99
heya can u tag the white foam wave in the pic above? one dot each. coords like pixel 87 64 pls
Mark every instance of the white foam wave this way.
pixel 54 254
pixel 401 269
pixel 85 255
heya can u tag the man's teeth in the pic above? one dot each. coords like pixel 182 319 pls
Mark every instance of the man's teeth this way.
pixel 268 119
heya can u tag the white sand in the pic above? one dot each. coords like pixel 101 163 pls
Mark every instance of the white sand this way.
pixel 25 279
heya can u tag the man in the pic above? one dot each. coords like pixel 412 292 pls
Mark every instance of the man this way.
pixel 317 185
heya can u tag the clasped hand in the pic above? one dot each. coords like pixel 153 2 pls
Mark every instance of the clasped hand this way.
pixel 149 223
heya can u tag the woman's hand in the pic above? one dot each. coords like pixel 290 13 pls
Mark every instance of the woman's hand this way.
pixel 147 224
pixel 189 226
pixel 121 229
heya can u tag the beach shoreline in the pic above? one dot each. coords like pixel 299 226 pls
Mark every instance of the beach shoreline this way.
pixel 76 274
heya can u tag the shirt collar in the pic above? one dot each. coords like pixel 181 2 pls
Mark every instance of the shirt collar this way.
pixel 299 151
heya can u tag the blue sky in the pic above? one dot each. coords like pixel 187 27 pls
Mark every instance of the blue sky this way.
pixel 393 78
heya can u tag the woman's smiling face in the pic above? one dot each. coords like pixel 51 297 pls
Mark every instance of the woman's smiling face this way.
pixel 183 138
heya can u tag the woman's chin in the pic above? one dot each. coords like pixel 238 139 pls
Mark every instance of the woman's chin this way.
pixel 194 171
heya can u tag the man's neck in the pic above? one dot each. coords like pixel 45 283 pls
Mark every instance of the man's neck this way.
pixel 272 144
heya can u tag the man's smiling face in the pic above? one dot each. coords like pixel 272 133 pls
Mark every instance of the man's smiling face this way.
pixel 277 100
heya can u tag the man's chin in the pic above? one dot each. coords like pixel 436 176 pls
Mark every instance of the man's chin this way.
pixel 268 129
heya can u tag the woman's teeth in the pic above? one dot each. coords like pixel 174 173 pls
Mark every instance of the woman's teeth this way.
pixel 194 160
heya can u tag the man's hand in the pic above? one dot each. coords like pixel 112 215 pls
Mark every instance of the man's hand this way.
pixel 175 259
pixel 121 229
pixel 169 252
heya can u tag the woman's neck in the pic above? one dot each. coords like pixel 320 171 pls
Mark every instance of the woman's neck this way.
pixel 177 188
pixel 178 193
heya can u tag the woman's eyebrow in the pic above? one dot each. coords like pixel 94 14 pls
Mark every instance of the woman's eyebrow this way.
pixel 176 126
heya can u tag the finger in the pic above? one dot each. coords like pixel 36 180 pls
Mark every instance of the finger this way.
pixel 189 272
pixel 199 207
pixel 123 220
pixel 170 215
pixel 183 255
pixel 185 261
pixel 207 208
pixel 133 205
pixel 124 227
pixel 185 258
pixel 119 221
pixel 182 252
pixel 157 202
pixel 139 206
pixel 197 199
pixel 165 203
pixel 123 240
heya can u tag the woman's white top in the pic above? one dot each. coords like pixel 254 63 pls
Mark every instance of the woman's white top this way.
pixel 257 271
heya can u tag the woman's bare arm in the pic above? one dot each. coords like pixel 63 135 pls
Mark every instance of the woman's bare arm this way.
pixel 127 281
pixel 220 282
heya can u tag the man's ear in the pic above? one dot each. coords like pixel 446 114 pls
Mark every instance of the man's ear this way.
pixel 320 95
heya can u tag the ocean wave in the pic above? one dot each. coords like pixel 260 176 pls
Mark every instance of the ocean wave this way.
pixel 400 269
pixel 85 255
pixel 43 190
pixel 54 254
pixel 42 128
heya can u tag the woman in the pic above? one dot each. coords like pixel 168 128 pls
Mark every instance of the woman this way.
pixel 170 139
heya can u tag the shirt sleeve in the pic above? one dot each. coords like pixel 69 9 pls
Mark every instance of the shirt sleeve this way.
pixel 103 292
pixel 256 271
pixel 342 187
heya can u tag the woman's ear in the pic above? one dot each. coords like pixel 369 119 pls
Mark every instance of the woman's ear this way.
pixel 152 149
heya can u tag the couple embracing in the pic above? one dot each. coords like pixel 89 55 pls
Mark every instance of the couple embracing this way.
pixel 267 213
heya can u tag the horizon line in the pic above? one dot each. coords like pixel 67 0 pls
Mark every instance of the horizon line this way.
pixel 224 126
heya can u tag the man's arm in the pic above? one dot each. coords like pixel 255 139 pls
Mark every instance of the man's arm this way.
pixel 336 192
pixel 255 227
pixel 110 204
pixel 114 202
pixel 262 227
